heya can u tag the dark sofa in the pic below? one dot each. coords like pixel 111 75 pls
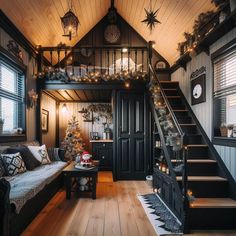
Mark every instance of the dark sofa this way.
pixel 13 222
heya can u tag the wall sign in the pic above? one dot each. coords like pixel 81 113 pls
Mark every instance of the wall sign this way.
pixel 198 90
pixel 198 72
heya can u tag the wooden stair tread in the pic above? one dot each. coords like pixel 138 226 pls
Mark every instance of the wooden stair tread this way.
pixel 202 178
pixel 179 110
pixel 197 161
pixel 168 82
pixel 173 96
pixel 213 203
pixel 172 89
pixel 197 145
pixel 188 124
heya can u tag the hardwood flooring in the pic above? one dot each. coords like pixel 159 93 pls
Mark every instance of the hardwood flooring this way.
pixel 116 211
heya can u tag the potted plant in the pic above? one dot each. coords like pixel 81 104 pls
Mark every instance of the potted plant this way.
pixel 223 130
pixel 1 125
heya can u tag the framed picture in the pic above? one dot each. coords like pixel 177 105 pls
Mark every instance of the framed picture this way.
pixel 198 90
pixel 44 120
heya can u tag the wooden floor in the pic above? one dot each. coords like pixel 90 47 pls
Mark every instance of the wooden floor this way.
pixel 116 211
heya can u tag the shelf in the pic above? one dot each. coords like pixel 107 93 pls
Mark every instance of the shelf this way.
pixel 101 141
pixel 203 45
pixel 217 32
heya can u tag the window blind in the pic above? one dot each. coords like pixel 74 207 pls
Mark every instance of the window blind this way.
pixel 225 75
pixel 12 96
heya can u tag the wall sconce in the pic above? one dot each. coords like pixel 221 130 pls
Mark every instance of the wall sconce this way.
pixel 33 97
pixel 64 108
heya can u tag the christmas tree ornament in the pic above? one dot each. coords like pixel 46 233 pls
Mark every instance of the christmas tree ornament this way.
pixel 72 143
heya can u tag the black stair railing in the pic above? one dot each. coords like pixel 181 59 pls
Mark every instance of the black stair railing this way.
pixel 171 138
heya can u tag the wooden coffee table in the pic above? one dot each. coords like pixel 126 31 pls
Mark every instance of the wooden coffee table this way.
pixel 71 172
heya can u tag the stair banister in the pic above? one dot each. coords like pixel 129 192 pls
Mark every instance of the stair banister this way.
pixel 180 131
pixel 181 193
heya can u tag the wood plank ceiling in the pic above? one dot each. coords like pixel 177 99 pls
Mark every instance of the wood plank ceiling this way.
pixel 80 95
pixel 40 21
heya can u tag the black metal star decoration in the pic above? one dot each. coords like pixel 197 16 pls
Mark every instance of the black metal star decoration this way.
pixel 151 19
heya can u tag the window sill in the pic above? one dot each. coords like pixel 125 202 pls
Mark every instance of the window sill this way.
pixel 224 141
pixel 5 138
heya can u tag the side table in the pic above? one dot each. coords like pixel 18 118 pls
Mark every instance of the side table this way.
pixel 70 171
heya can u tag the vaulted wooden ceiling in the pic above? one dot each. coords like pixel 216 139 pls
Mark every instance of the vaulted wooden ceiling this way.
pixel 39 20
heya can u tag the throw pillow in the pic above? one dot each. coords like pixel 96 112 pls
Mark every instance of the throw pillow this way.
pixel 40 153
pixel 30 161
pixel 13 163
pixel 53 154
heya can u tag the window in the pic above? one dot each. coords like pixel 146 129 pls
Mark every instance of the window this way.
pixel 225 91
pixel 12 98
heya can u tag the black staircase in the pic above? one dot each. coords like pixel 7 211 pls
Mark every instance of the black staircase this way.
pixel 206 190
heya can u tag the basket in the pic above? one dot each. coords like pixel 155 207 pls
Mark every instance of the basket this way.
pixel 224 131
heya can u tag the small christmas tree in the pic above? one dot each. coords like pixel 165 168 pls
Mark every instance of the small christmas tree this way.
pixel 73 142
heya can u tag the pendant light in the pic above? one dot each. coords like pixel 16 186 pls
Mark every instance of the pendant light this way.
pixel 70 23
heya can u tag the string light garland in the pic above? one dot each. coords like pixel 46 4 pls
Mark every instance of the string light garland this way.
pixel 50 73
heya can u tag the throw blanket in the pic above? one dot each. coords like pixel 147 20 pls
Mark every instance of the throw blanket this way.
pixel 26 185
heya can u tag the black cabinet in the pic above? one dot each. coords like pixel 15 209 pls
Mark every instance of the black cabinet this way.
pixel 103 152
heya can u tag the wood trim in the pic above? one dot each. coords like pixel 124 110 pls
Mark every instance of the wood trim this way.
pixel 7 25
pixel 224 141
pixel 225 49
pixel 9 58
pixel 203 46
pixel 57 123
pixel 57 85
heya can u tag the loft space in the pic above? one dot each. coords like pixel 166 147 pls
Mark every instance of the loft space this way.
pixel 116 111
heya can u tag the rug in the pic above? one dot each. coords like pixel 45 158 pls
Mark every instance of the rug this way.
pixel 162 219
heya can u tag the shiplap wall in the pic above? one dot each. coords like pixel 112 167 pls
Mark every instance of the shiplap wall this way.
pixel 85 127
pixel 204 111
pixel 49 104
pixel 30 83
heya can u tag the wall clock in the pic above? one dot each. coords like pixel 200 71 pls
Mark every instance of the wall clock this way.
pixel 112 34
pixel 198 90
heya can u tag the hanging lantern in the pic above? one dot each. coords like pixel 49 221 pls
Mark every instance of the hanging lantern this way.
pixel 70 23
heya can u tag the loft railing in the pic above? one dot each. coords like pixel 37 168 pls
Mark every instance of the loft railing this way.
pixel 91 62
pixel 171 138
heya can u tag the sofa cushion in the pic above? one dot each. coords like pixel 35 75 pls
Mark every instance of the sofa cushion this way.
pixel 2 170
pixel 30 161
pixel 25 186
pixel 13 163
pixel 40 153
pixel 53 154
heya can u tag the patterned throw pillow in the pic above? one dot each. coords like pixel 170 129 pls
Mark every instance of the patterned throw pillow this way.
pixel 30 161
pixel 14 163
pixel 40 153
